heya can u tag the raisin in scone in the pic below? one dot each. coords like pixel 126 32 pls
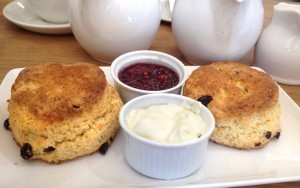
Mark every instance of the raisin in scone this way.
pixel 60 112
pixel 244 102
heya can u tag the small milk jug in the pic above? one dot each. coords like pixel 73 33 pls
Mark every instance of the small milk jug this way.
pixel 216 30
pixel 278 48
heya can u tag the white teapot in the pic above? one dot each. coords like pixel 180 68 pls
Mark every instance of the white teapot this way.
pixel 107 29
pixel 278 48
pixel 216 30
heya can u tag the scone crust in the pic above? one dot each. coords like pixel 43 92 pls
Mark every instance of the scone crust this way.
pixel 70 108
pixel 67 90
pixel 245 103
pixel 237 89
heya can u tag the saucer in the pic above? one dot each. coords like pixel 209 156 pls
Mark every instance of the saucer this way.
pixel 165 11
pixel 17 13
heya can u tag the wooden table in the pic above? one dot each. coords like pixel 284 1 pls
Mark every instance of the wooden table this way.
pixel 22 48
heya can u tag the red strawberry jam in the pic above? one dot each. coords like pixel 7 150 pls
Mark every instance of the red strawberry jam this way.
pixel 148 76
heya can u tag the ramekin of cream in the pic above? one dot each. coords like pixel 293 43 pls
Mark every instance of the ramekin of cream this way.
pixel 166 135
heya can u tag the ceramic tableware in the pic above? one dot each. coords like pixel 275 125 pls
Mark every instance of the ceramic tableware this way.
pixel 165 160
pixel 278 49
pixel 19 13
pixel 110 28
pixel 216 30
pixel 146 56
pixel 52 11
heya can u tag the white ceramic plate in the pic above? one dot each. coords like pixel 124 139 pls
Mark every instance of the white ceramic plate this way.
pixel 17 12
pixel 224 167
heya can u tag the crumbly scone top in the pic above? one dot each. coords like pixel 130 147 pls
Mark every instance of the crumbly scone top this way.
pixel 55 91
pixel 236 89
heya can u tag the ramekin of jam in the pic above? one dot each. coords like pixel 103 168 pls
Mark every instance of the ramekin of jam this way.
pixel 147 72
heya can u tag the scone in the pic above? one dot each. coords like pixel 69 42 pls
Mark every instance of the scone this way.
pixel 244 102
pixel 60 112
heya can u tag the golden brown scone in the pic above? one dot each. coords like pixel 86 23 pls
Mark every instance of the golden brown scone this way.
pixel 244 102
pixel 60 112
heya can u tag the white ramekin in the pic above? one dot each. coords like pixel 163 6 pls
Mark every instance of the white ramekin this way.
pixel 146 56
pixel 164 160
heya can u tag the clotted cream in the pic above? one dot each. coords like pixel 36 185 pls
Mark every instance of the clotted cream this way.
pixel 167 123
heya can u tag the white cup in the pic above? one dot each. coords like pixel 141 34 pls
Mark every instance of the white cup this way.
pixel 52 11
